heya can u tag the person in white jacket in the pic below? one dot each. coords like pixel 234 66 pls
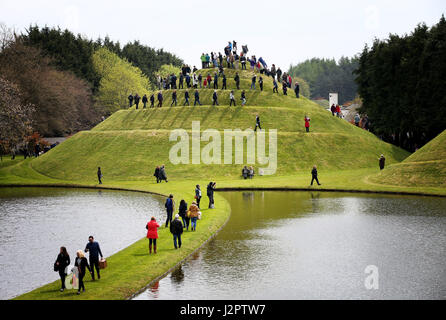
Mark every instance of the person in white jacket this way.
pixel 231 98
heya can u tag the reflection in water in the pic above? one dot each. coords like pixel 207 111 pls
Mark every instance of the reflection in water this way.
pixel 312 245
pixel 177 275
pixel 35 222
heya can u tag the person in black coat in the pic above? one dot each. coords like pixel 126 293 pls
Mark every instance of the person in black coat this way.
pixel 224 82
pixel 314 176
pixel 82 264
pixel 130 97
pixel 182 212
pixel 62 262
pixel 215 98
pixel 197 98
pixel 176 228
pixel 160 99
pixel 99 175
pixel 174 98
pixel 137 98
pixel 382 162
pixel 162 174
pixel 186 98
pixel 210 194
pixel 237 81
pixel 157 174
pixel 144 101
pixel 152 100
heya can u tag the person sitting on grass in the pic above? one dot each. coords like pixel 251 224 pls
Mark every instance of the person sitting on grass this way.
pixel 314 176
pixel 176 228
pixel 245 172
pixel 251 172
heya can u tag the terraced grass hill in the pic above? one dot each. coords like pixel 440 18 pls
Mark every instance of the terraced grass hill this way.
pixel 424 168
pixel 130 143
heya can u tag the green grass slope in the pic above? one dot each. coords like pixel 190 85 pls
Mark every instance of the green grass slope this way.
pixel 424 168
pixel 130 143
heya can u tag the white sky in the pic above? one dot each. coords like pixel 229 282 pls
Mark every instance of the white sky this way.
pixel 281 31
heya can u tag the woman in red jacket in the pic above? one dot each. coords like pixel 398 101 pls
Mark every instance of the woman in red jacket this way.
pixel 152 234
pixel 307 124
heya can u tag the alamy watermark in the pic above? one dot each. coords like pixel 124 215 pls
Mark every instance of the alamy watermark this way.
pixel 188 149
pixel 371 282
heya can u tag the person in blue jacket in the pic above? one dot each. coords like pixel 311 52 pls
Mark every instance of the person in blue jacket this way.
pixel 169 209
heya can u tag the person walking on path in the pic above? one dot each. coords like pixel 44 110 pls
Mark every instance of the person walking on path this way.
pixel 157 174
pixel 137 98
pixel 253 81
pixel 152 100
pixel 338 111
pixel 243 98
pixel 174 98
pixel 160 99
pixel 314 176
pixel 186 98
pixel 183 214
pixel 307 123
pixel 261 83
pixel 152 234
pixel 130 97
pixel 210 194
pixel 333 109
pixel 169 209
pixel 144 101
pixel 99 175
pixel 193 214
pixel 200 79
pixel 275 86
pixel 296 89
pixel 197 98
pixel 231 98
pixel 198 195
pixel 223 87
pixel 62 262
pixel 95 250
pixel 257 123
pixel 216 81
pixel 176 228
pixel 82 264
pixel 382 162
pixel 162 174
pixel 237 80
pixel 180 81
pixel 245 172
pixel 284 88
pixel 215 98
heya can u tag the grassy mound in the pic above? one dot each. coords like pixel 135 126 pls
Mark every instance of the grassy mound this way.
pixel 424 168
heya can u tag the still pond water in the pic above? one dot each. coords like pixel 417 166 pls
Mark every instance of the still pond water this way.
pixel 310 245
pixel 35 222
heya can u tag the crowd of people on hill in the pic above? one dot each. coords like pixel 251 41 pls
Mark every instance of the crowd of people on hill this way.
pixel 189 78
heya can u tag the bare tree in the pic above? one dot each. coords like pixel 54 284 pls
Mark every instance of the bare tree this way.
pixel 6 36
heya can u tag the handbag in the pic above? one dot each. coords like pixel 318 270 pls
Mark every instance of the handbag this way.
pixel 56 266
pixel 102 263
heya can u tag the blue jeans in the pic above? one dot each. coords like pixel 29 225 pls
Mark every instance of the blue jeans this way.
pixel 193 223
pixel 175 237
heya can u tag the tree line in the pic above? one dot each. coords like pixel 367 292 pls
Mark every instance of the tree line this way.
pixel 401 81
pixel 328 75
pixel 56 83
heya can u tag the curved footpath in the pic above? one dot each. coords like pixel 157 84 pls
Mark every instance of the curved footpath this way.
pixel 132 270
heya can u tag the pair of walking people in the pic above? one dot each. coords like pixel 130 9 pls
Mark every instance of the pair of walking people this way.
pixel 81 263
pixel 176 228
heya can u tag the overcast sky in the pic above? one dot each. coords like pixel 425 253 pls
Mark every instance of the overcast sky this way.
pixel 281 31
